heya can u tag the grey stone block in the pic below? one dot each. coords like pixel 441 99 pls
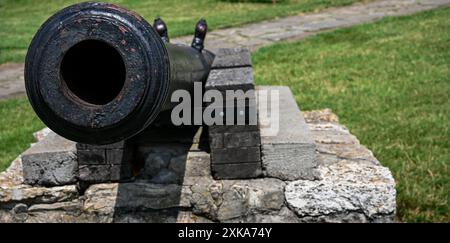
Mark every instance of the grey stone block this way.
pixel 94 173
pixel 232 57
pixel 243 139
pixel 233 143
pixel 92 156
pixel 288 154
pixel 237 115
pixel 233 140
pixel 166 134
pixel 121 172
pixel 119 156
pixel 292 125
pixel 220 80
pixel 364 191
pixel 117 145
pixel 232 128
pixel 235 155
pixel 230 79
pixel 104 173
pixel 216 140
pixel 289 161
pixel 116 153
pixel 236 171
pixel 50 162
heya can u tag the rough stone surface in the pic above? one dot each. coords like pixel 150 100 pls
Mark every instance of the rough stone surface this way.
pixel 41 134
pixel 13 175
pixel 347 188
pixel 230 79
pixel 13 195
pixel 51 162
pixel 107 198
pixel 353 187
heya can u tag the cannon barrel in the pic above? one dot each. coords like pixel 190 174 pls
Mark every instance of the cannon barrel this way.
pixel 97 73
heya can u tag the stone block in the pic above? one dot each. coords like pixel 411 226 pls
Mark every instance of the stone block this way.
pixel 239 142
pixel 104 173
pixel 243 139
pixel 236 171
pixel 235 155
pixel 233 140
pixel 105 163
pixel 166 134
pixel 216 140
pixel 232 128
pixel 50 162
pixel 84 146
pixel 115 153
pixel 94 156
pixel 230 79
pixel 121 172
pixel 288 154
pixel 348 192
pixel 94 173
pixel 289 161
pixel 119 156
pixel 234 116
pixel 232 57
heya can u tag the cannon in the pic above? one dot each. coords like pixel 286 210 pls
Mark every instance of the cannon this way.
pixel 96 73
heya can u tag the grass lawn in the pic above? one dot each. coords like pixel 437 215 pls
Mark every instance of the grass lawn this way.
pixel 20 19
pixel 389 82
pixel 17 124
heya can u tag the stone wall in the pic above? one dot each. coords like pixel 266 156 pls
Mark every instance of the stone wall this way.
pixel 175 185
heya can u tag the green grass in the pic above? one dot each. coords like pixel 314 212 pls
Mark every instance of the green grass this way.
pixel 20 19
pixel 17 124
pixel 389 82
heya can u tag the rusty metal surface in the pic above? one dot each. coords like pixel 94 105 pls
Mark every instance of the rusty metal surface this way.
pixel 97 73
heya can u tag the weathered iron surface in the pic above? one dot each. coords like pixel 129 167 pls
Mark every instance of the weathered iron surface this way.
pixel 97 73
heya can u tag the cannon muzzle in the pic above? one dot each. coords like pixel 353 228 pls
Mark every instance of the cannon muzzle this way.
pixel 97 73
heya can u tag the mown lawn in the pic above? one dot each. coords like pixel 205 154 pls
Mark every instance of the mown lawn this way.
pixel 389 82
pixel 20 19
pixel 18 122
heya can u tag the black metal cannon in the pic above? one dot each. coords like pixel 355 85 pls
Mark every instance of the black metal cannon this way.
pixel 97 73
